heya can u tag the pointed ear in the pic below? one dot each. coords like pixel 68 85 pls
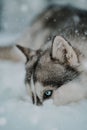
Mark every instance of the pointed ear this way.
pixel 26 51
pixel 64 52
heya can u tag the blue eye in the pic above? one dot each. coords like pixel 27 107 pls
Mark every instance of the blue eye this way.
pixel 47 94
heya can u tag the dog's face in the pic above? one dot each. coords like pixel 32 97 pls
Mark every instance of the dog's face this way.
pixel 49 69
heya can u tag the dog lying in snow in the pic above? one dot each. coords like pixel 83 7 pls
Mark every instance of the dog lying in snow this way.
pixel 58 69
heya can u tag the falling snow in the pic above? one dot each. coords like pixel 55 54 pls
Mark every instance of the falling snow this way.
pixel 16 111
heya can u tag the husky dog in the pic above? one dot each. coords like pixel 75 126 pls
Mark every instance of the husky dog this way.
pixel 58 69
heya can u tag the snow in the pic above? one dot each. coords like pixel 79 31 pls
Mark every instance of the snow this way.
pixel 17 113
pixel 7 39
pixel 3 121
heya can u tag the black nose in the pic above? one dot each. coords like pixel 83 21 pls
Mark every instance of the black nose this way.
pixel 38 102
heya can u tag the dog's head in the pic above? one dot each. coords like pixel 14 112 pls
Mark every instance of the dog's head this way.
pixel 49 68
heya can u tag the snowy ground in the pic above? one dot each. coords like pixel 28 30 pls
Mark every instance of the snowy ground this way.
pixel 17 113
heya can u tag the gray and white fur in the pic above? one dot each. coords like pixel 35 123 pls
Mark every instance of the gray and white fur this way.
pixel 58 69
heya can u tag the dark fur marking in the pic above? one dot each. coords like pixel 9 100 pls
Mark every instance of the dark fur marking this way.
pixel 37 99
pixel 57 82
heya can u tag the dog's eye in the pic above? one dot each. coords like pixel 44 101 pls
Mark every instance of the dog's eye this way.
pixel 47 94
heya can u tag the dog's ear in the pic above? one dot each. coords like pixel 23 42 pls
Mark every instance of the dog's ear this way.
pixel 64 52
pixel 26 51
